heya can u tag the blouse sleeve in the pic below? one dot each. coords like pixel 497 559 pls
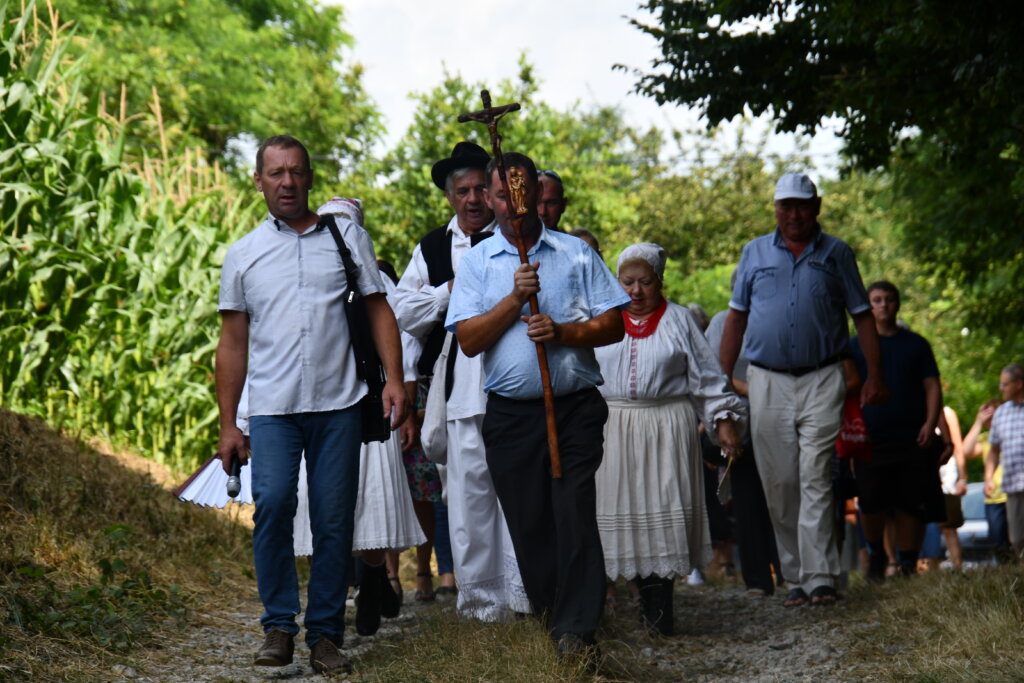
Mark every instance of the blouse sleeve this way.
pixel 709 389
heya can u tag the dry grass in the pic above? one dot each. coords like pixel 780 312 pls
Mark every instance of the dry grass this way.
pixel 95 557
pixel 944 626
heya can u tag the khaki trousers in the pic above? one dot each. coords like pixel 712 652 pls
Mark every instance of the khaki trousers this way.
pixel 794 424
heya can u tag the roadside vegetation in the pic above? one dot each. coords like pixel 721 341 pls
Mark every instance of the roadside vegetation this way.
pixel 98 559
pixel 114 224
pixel 115 211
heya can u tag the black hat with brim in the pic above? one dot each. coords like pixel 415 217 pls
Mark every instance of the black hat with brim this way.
pixel 464 155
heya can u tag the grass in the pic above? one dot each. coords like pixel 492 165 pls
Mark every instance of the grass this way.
pixel 98 562
pixel 97 558
pixel 944 625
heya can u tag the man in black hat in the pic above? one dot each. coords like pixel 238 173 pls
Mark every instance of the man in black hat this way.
pixel 489 585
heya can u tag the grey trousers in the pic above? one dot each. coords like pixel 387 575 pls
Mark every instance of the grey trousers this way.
pixel 1015 521
pixel 794 423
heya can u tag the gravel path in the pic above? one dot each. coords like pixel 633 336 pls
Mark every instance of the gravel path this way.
pixel 722 635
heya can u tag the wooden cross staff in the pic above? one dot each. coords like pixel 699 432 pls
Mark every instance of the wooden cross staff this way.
pixel 517 209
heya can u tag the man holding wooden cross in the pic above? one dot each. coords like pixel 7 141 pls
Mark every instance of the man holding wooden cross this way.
pixel 551 519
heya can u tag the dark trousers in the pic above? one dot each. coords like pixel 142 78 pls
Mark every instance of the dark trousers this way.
pixel 754 534
pixel 552 522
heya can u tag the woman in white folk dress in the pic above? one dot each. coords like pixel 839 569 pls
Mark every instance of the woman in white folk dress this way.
pixel 659 381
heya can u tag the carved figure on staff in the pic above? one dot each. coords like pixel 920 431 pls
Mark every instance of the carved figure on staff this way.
pixel 517 187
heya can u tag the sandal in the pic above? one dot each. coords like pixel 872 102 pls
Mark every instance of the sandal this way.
pixel 424 594
pixel 795 598
pixel 824 596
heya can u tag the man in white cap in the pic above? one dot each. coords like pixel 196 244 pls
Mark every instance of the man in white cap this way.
pixel 793 289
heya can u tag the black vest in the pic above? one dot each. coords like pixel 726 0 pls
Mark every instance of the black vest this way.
pixel 436 248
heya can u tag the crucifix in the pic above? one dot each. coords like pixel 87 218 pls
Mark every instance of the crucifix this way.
pixel 514 185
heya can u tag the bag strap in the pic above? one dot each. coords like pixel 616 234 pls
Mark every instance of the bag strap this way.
pixel 351 269
pixel 368 365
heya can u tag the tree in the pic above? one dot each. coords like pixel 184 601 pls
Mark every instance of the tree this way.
pixel 929 89
pixel 703 215
pixel 223 68
pixel 107 267
pixel 599 158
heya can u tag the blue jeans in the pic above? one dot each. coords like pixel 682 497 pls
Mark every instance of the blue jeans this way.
pixel 998 531
pixel 331 441
pixel 442 540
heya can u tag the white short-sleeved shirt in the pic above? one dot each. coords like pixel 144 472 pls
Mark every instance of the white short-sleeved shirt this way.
pixel 292 286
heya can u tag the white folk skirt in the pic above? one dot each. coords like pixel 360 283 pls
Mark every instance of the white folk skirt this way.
pixel 384 516
pixel 650 490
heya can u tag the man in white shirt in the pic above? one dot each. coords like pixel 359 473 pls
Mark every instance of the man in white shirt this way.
pixel 284 332
pixel 486 571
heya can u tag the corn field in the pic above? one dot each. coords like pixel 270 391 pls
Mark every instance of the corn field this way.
pixel 109 266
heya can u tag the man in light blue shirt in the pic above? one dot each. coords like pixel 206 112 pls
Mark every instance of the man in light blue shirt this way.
pixel 793 289
pixel 552 521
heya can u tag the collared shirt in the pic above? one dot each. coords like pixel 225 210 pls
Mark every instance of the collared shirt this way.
pixel 1008 434
pixel 420 304
pixel 292 285
pixel 796 306
pixel 575 287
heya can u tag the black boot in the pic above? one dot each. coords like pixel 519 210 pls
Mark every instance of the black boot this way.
pixel 368 602
pixel 390 602
pixel 878 561
pixel 664 622
pixel 656 602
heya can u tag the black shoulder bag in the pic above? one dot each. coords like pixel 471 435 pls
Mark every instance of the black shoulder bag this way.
pixel 369 369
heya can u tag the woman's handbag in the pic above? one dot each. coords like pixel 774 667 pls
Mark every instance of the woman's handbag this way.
pixel 376 426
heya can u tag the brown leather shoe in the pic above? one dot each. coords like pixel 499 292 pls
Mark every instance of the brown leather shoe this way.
pixel 277 650
pixel 326 658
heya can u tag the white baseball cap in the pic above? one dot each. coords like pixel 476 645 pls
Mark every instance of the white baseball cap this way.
pixel 795 186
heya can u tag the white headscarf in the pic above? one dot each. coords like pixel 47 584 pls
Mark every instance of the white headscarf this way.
pixel 351 209
pixel 646 251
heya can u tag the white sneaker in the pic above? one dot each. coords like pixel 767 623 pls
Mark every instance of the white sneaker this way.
pixel 695 578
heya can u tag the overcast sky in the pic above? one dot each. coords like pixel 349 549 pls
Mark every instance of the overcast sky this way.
pixel 573 44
